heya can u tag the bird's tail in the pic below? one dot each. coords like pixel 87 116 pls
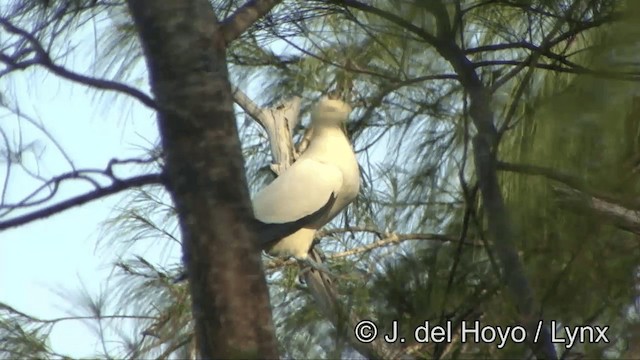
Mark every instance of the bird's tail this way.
pixel 325 293
pixel 322 288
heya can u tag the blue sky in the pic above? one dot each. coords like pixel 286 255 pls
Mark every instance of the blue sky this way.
pixel 58 255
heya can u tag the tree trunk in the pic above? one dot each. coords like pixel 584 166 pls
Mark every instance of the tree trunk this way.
pixel 185 52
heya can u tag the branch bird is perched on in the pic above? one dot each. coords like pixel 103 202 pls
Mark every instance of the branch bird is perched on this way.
pixel 310 193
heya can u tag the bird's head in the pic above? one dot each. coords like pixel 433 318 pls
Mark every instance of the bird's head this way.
pixel 331 112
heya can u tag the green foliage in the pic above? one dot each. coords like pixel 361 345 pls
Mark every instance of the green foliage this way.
pixel 585 127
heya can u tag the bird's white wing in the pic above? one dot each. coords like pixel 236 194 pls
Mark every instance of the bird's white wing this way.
pixel 303 189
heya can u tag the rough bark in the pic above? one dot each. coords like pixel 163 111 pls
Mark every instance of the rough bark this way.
pixel 279 123
pixel 185 53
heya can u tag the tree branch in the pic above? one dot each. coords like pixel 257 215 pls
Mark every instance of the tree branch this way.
pixel 54 183
pixel 392 18
pixel 547 43
pixel 250 107
pixel 390 239
pixel 11 310
pixel 394 239
pixel 620 216
pixel 241 20
pixel 42 58
pixel 569 180
pixel 621 211
pixel 82 199
pixel 279 123
pixel 570 68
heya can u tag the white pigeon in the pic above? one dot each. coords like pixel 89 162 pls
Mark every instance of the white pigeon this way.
pixel 313 190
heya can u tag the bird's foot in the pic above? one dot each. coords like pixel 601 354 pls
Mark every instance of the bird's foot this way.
pixel 308 264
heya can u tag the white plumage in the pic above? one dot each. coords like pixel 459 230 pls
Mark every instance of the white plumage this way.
pixel 322 182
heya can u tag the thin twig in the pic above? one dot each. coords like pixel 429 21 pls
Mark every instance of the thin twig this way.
pixel 43 58
pixel 82 199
